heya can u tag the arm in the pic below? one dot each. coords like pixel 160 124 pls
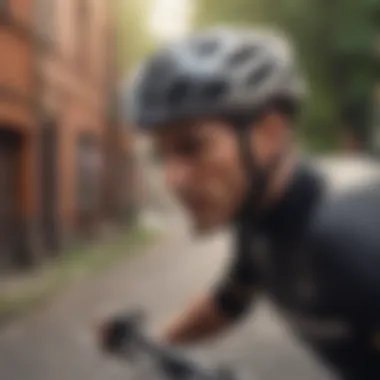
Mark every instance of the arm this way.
pixel 200 321
pixel 219 310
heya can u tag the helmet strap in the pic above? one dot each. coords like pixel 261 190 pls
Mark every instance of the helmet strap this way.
pixel 258 178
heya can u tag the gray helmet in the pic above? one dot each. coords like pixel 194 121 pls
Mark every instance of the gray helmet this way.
pixel 217 72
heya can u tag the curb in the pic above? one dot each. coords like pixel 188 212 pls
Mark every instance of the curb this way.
pixel 24 303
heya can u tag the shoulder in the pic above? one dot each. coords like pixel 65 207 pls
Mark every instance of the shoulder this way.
pixel 345 234
pixel 353 213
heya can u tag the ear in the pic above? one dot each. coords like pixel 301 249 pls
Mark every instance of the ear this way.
pixel 269 135
pixel 273 126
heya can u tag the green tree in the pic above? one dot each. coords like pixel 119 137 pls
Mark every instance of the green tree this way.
pixel 335 43
pixel 134 37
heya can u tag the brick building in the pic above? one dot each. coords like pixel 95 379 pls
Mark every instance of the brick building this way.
pixel 59 127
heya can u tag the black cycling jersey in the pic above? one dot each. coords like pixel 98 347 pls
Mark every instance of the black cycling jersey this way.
pixel 317 256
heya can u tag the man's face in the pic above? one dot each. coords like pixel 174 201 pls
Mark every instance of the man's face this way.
pixel 203 169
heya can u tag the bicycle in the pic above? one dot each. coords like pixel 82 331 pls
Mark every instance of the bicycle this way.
pixel 124 338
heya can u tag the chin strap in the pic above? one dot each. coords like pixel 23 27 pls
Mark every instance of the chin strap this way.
pixel 258 177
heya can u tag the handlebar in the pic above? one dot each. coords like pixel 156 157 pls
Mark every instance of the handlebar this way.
pixel 123 338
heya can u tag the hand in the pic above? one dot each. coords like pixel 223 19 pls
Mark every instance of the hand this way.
pixel 118 331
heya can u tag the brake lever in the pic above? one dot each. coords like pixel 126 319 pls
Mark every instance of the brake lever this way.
pixel 123 337
pixel 120 335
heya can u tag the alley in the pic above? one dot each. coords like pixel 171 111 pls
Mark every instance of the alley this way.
pixel 56 343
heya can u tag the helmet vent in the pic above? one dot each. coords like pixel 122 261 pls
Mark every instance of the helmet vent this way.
pixel 206 48
pixel 214 90
pixel 178 91
pixel 242 56
pixel 259 74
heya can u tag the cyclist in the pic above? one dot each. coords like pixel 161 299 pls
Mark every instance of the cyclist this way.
pixel 221 107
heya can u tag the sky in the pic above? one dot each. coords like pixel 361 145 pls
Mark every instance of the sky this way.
pixel 170 19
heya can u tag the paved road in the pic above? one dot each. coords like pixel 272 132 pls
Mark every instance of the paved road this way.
pixel 56 343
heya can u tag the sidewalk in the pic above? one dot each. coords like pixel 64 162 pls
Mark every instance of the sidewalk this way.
pixel 57 342
pixel 19 293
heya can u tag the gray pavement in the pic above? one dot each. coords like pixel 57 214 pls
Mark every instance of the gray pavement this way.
pixel 56 343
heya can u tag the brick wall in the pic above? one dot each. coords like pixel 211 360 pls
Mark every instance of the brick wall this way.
pixel 15 63
pixel 18 116
pixel 76 85
pixel 57 78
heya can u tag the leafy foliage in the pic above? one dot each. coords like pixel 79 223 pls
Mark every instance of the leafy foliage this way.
pixel 134 37
pixel 335 40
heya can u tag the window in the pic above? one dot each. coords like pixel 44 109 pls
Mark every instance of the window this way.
pixel 3 5
pixel 82 33
pixel 45 19
pixel 88 175
pixel 9 153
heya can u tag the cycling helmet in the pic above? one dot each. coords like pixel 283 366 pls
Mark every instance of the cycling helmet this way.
pixel 221 71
